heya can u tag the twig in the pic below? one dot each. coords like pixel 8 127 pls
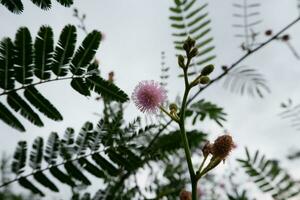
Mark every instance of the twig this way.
pixel 41 82
pixel 250 52
pixel 50 166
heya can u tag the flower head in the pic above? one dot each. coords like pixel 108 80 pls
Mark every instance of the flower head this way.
pixel 148 96
pixel 222 146
pixel 185 195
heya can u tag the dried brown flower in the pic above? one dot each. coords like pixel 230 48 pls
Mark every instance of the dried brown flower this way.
pixel 185 195
pixel 222 146
pixel 207 149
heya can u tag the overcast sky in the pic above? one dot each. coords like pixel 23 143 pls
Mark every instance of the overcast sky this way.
pixel 136 32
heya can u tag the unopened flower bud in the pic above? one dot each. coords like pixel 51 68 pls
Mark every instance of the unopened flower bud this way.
pixel 181 61
pixel 185 195
pixel 285 38
pixel 268 32
pixel 207 70
pixel 222 147
pixel 111 76
pixel 188 44
pixel 204 80
pixel 194 52
pixel 173 108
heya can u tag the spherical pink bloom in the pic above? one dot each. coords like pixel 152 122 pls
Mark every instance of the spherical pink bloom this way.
pixel 148 96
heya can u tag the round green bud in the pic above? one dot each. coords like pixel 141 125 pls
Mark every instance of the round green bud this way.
pixel 173 107
pixel 207 70
pixel 204 80
pixel 181 61
pixel 194 52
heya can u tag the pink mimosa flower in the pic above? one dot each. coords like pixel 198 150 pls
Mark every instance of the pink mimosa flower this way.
pixel 148 96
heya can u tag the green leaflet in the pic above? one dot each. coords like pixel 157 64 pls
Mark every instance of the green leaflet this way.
pixel 61 176
pixel 91 168
pixel 41 103
pixel 43 4
pixel 45 181
pixel 19 160
pixel 105 165
pixel 14 6
pixel 7 117
pixel 106 89
pixel 43 47
pixel 6 64
pixel 85 53
pixel 64 50
pixel 188 19
pixel 76 173
pixel 23 56
pixel 36 154
pixel 269 176
pixel 27 184
pixel 52 148
pixel 18 104
pixel 80 86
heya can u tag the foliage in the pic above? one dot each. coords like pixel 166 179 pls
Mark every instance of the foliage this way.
pixel 204 109
pixel 246 80
pixel 108 151
pixel 291 112
pixel 189 19
pixel 16 6
pixel 269 176
pixel 247 18
pixel 24 64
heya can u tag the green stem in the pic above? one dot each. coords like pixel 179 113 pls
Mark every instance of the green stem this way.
pixel 184 136
pixel 167 113
pixel 202 165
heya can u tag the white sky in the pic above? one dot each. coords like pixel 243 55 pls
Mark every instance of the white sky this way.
pixel 136 31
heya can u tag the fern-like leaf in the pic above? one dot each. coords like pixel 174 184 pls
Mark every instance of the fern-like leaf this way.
pixel 41 103
pixel 15 6
pixel 43 53
pixel 52 149
pixel 82 140
pixel 7 117
pixel 64 51
pixel 85 53
pixel 291 112
pixel 36 154
pixel 189 19
pixel 20 156
pixel 18 104
pixel 246 80
pixel 6 64
pixel 269 176
pixel 106 89
pixel 66 3
pixel 23 56
pixel 27 184
pixel 203 109
pixel 43 4
pixel 247 18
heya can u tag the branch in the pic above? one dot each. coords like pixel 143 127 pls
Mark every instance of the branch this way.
pixel 50 166
pixel 41 82
pixel 250 52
